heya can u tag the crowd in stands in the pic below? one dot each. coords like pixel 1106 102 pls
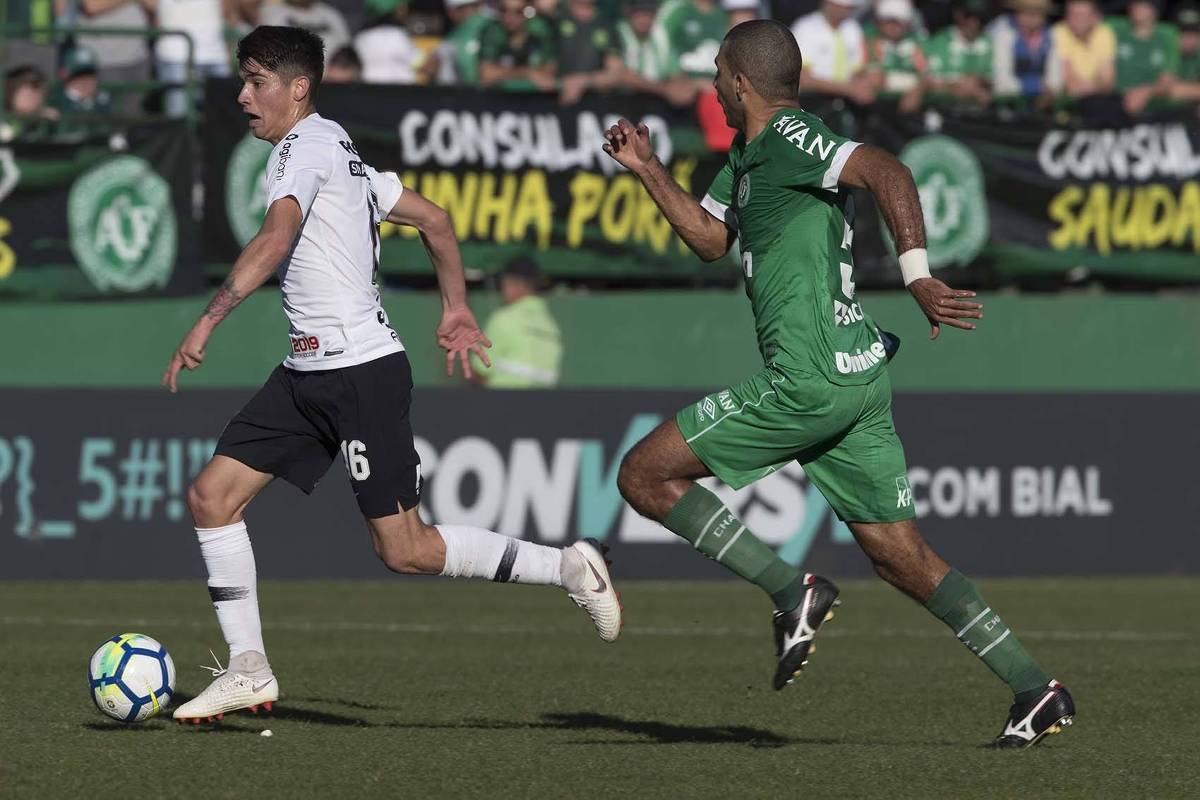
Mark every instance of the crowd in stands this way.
pixel 1129 58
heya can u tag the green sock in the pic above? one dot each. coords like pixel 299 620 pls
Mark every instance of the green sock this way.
pixel 958 603
pixel 702 519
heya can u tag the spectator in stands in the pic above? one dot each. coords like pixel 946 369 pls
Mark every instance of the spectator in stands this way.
pixel 1147 57
pixel 742 11
pixel 641 51
pixel 314 15
pixel 516 51
pixel 456 59
pixel 388 53
pixel 79 93
pixel 690 33
pixel 118 58
pixel 1187 85
pixel 526 350
pixel 833 48
pixel 643 60
pixel 588 51
pixel 344 67
pixel 25 100
pixel 1024 64
pixel 1087 49
pixel 960 58
pixel 203 21
pixel 895 61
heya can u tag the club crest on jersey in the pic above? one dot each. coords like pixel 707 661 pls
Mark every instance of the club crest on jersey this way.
pixel 743 195
pixel 304 346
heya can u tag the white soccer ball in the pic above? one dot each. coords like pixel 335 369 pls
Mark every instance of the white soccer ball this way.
pixel 131 677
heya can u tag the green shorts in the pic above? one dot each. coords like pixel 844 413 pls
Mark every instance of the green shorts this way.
pixel 843 436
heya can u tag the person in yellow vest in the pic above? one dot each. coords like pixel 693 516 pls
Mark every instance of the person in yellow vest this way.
pixel 526 347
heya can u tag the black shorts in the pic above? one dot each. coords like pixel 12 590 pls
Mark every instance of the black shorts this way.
pixel 299 421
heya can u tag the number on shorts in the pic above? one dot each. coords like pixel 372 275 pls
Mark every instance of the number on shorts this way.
pixel 355 454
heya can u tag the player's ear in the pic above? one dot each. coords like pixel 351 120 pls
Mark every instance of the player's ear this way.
pixel 301 86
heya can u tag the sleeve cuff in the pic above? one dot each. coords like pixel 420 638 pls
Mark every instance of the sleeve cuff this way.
pixel 719 210
pixel 834 173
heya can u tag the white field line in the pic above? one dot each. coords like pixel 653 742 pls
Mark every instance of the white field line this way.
pixel 632 630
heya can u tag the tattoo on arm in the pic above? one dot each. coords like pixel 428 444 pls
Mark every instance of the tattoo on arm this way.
pixel 225 301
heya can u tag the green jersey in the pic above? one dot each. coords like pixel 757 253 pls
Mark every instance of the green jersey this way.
pixel 951 56
pixel 1189 66
pixel 536 50
pixel 690 37
pixel 780 192
pixel 464 42
pixel 1142 61
pixel 902 63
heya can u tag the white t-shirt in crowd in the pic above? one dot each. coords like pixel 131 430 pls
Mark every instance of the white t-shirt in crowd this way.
pixel 828 53
pixel 388 55
pixel 200 18
pixel 321 18
pixel 328 280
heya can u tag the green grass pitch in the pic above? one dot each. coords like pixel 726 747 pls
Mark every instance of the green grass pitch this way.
pixel 424 688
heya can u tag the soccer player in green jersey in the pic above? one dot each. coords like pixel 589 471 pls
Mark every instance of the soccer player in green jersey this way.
pixel 823 397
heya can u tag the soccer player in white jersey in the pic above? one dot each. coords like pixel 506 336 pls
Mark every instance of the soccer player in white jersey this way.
pixel 346 383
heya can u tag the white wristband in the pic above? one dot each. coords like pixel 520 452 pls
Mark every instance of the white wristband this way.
pixel 914 265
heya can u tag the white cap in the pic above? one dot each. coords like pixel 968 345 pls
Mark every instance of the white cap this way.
pixel 900 10
pixel 740 5
pixel 460 3
pixel 847 3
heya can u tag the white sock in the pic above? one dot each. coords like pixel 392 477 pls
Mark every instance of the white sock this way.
pixel 232 585
pixel 478 553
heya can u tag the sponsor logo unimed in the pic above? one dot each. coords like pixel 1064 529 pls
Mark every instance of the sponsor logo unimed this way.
pixel 860 360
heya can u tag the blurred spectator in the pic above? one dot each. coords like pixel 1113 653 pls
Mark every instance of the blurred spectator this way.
pixel 641 52
pixel 516 51
pixel 118 58
pixel 833 49
pixel 456 59
pixel 1087 49
pixel 1024 63
pixel 895 61
pixel 690 33
pixel 79 93
pixel 241 16
pixel 344 67
pixel 960 58
pixel 1147 56
pixel 388 54
pixel 526 350
pixel 742 11
pixel 25 100
pixel 1187 20
pixel 313 15
pixel 588 55
pixel 202 20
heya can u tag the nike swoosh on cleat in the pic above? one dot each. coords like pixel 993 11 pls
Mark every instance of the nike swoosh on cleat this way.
pixel 603 587
pixel 257 689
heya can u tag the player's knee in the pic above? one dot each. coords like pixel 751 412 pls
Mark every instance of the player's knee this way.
pixel 211 508
pixel 631 477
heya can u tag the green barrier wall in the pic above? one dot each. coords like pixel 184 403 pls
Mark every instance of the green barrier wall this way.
pixel 1063 342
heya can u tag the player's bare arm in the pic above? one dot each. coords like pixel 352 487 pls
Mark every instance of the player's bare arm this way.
pixel 891 184
pixel 631 148
pixel 252 268
pixel 458 333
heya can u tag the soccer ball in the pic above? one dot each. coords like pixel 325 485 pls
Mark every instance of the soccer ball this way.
pixel 131 677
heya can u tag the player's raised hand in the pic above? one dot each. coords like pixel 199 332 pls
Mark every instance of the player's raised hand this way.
pixel 459 335
pixel 630 146
pixel 944 306
pixel 189 355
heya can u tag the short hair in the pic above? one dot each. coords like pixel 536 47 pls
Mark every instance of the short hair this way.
pixel 766 53
pixel 291 52
pixel 19 76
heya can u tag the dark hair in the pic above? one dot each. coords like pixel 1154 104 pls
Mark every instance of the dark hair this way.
pixel 766 53
pixel 291 52
pixel 346 57
pixel 18 76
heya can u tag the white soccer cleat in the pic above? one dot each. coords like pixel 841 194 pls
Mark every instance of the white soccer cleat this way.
pixel 598 597
pixel 246 683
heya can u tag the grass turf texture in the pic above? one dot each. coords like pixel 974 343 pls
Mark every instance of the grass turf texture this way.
pixel 424 688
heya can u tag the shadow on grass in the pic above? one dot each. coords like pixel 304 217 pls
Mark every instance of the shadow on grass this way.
pixel 648 731
pixel 284 713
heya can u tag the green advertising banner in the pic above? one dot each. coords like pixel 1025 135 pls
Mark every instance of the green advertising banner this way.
pixel 103 217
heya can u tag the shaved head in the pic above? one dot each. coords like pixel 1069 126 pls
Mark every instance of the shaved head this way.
pixel 765 53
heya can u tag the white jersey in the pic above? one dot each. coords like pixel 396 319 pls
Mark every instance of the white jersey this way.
pixel 328 280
